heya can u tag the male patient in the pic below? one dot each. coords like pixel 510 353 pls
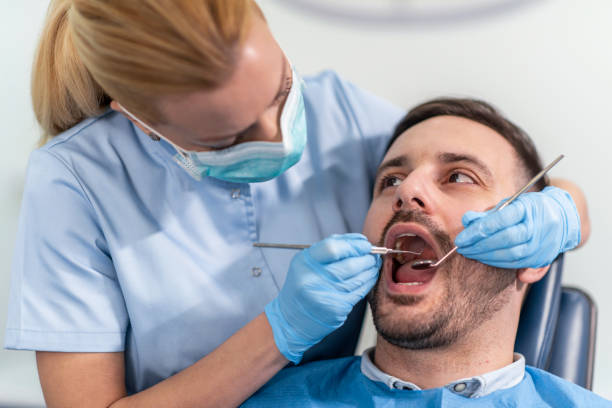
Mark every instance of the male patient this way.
pixel 445 336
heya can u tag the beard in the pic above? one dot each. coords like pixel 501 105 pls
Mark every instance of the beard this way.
pixel 472 293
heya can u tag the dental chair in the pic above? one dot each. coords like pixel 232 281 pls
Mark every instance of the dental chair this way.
pixel 557 329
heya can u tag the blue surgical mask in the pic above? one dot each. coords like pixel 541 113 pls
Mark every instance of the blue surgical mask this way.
pixel 251 162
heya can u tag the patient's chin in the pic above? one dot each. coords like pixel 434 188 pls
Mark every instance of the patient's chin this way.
pixel 432 339
pixel 408 328
pixel 411 321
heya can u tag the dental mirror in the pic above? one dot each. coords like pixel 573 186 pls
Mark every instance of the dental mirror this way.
pixel 424 264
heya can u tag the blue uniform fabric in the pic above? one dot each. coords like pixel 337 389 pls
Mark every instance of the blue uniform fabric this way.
pixel 340 383
pixel 119 249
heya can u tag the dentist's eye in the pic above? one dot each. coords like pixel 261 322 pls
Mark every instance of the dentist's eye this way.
pixel 285 92
pixel 457 177
pixel 389 181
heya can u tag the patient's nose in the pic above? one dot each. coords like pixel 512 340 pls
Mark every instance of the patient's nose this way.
pixel 412 194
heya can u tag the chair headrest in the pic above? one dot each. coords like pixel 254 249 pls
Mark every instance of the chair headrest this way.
pixel 539 316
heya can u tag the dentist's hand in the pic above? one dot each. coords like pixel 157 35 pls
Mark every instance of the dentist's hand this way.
pixel 528 233
pixel 323 284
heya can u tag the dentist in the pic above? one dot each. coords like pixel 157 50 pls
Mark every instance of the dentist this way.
pixel 176 134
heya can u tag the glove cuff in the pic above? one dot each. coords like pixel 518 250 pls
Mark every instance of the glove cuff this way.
pixel 280 330
pixel 571 230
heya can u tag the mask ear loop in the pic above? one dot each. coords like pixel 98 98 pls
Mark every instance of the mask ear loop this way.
pixel 153 132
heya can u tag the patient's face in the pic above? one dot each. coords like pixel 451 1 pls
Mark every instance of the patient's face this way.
pixel 433 173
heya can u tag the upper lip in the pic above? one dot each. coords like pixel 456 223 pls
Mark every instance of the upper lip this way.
pixel 413 228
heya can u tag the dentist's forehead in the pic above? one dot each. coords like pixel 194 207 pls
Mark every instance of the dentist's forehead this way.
pixel 257 79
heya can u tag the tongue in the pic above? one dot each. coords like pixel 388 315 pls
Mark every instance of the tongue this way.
pixel 406 274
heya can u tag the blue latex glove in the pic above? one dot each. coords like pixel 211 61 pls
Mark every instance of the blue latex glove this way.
pixel 528 233
pixel 323 284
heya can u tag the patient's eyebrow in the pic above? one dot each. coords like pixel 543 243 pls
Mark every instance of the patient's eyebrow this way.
pixel 448 158
pixel 394 162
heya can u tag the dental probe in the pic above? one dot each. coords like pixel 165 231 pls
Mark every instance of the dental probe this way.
pixel 375 249
pixel 429 264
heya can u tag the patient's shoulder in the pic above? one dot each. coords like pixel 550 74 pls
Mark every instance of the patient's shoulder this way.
pixel 560 392
pixel 315 381
pixel 317 373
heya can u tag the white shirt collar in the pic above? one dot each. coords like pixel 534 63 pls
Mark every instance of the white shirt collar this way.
pixel 474 387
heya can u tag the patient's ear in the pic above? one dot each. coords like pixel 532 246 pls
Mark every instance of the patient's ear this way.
pixel 531 275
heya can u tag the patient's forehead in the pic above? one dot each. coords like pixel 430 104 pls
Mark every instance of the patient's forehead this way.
pixel 453 134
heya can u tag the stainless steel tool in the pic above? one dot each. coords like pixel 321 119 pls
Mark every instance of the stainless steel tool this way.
pixel 375 250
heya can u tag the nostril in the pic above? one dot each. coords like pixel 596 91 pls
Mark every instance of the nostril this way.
pixel 398 204
pixel 419 202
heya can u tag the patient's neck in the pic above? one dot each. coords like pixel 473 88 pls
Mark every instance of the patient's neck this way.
pixel 486 348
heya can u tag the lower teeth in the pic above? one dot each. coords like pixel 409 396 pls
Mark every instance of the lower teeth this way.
pixel 410 283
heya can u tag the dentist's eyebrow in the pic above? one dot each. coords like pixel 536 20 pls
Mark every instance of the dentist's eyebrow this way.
pixel 449 158
pixel 400 161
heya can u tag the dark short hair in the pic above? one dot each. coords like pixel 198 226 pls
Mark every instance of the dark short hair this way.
pixel 485 114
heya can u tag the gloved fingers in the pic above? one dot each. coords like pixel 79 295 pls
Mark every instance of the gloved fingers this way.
pixel 349 268
pixel 504 264
pixel 529 262
pixel 504 239
pixel 367 286
pixel 514 257
pixel 558 194
pixel 362 282
pixel 569 214
pixel 490 224
pixel 348 235
pixel 361 289
pixel 338 247
pixel 471 216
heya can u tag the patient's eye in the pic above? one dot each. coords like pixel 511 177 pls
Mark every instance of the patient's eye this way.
pixel 457 177
pixel 389 181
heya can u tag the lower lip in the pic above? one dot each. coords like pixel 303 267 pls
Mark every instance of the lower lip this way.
pixel 395 288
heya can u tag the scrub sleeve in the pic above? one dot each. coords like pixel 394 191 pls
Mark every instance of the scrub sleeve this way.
pixel 67 280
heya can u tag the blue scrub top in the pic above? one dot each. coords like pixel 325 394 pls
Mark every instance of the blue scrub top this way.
pixel 119 249
pixel 341 383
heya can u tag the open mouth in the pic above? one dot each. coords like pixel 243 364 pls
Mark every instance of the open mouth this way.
pixel 410 237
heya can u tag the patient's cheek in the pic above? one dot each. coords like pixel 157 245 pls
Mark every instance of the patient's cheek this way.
pixel 454 229
pixel 371 227
pixel 371 233
pixel 454 224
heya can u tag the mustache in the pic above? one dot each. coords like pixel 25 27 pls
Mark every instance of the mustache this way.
pixel 443 239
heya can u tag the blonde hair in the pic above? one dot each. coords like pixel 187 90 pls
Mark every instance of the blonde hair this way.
pixel 92 51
